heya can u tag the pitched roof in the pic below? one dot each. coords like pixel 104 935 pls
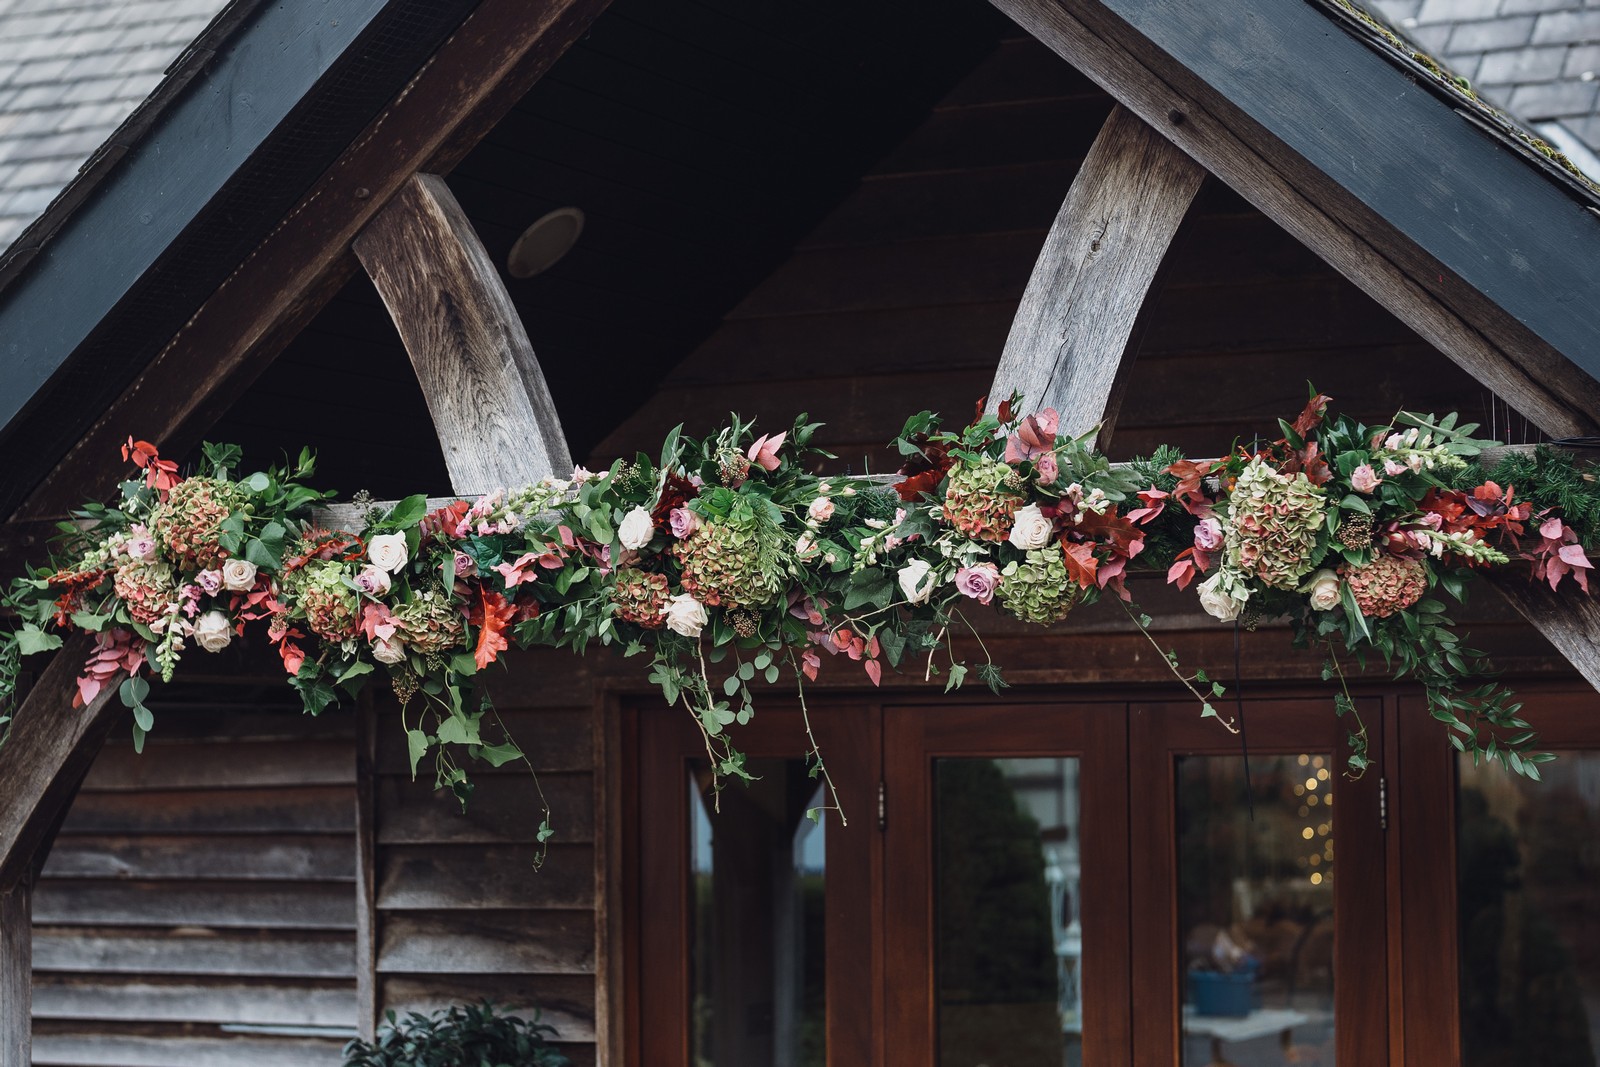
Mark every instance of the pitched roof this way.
pixel 1538 59
pixel 70 72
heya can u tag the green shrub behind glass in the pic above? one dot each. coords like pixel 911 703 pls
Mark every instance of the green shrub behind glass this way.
pixel 472 1035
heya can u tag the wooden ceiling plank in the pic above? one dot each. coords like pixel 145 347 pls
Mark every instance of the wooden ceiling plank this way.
pixel 491 408
pixel 1070 344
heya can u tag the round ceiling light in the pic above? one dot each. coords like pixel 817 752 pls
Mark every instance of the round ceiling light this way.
pixel 542 245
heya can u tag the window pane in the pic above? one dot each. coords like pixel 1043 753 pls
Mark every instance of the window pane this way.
pixel 1528 854
pixel 1008 937
pixel 1255 909
pixel 756 936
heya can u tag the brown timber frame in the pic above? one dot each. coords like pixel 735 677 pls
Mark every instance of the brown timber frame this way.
pixel 1143 172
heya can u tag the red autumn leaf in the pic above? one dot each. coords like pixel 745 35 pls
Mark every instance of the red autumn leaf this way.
pixel 1312 416
pixel 1080 561
pixel 913 487
pixel 1123 537
pixel 1310 460
pixel 1182 571
pixel 491 613
pixel 874 670
pixel 1005 410
pixel 1190 490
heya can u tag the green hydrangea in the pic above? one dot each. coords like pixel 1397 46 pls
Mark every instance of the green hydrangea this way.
pixel 331 607
pixel 1039 590
pixel 731 564
pixel 981 499
pixel 1274 523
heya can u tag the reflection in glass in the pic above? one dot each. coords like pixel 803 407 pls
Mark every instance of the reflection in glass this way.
pixel 1528 854
pixel 1255 909
pixel 756 933
pixel 1009 940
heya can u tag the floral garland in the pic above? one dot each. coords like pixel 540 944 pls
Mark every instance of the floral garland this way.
pixel 728 552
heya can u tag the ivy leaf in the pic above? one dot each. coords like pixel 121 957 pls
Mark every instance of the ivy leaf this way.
pixel 417 747
pixel 460 730
pixel 989 675
pixel 958 675
pixel 89 620
pixel 406 513
pixel 31 639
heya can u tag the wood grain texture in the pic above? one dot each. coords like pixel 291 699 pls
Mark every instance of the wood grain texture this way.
pixel 46 757
pixel 1071 340
pixel 366 860
pixel 123 1050
pixel 102 998
pixel 16 976
pixel 190 952
pixel 1568 619
pixel 1201 111
pixel 544 942
pixel 180 857
pixel 491 408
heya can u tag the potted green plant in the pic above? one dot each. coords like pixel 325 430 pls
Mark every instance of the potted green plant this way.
pixel 470 1035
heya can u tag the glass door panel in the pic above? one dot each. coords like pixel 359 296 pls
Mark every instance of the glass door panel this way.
pixel 1006 875
pixel 1528 908
pixel 1009 933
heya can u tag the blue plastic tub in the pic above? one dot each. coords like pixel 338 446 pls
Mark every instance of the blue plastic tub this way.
pixel 1215 993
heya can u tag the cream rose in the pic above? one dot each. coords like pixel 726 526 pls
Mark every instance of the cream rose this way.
pixel 388 650
pixel 1223 596
pixel 388 551
pixel 1030 529
pixel 1323 589
pixel 213 632
pixel 685 615
pixel 238 575
pixel 821 509
pixel 373 580
pixel 636 530
pixel 915 582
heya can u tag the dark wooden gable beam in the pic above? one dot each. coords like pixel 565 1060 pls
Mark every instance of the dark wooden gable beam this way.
pixel 488 64
pixel 1070 343
pixel 1458 238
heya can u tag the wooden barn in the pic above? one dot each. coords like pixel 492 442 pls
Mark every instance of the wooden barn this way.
pixel 552 230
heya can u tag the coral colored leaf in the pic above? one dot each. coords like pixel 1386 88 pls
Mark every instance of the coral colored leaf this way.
pixel 1080 562
pixel 874 670
pixel 1311 417
pixel 492 614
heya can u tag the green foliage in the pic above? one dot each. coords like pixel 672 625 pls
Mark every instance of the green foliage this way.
pixel 1550 478
pixel 471 1035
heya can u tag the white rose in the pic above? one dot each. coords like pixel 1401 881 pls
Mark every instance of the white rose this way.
pixel 1223 596
pixel 213 632
pixel 914 581
pixel 388 551
pixel 388 650
pixel 1323 588
pixel 238 575
pixel 685 615
pixel 1030 529
pixel 636 530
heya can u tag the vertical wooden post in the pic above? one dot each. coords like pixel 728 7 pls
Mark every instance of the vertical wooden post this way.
pixel 16 975
pixel 1071 341
pixel 366 866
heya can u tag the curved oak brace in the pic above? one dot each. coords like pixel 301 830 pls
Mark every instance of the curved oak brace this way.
pixel 1069 346
pixel 490 405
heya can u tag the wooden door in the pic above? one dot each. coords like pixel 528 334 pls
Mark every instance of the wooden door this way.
pixel 700 995
pixel 963 872
pixel 1207 861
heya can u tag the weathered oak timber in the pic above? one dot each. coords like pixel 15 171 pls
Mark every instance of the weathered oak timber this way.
pixel 488 64
pixel 16 976
pixel 1070 343
pixel 1210 77
pixel 50 749
pixel 1568 619
pixel 491 408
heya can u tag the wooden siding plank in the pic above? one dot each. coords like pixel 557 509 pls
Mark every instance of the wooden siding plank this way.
pixel 566 1002
pixel 180 857
pixel 491 408
pixel 293 906
pixel 195 952
pixel 1070 345
pixel 98 999
pixel 473 877
pixel 233 812
pixel 487 942
pixel 126 1050
pixel 168 765
pixel 504 809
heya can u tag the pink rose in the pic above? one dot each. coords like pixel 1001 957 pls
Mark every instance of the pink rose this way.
pixel 1047 468
pixel 1036 434
pixel 466 566
pixel 373 581
pixel 210 581
pixel 978 581
pixel 1364 479
pixel 683 522
pixel 1208 534
pixel 1392 467
pixel 821 509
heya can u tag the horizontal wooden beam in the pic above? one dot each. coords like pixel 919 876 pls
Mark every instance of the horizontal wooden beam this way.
pixel 1070 346
pixel 491 408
